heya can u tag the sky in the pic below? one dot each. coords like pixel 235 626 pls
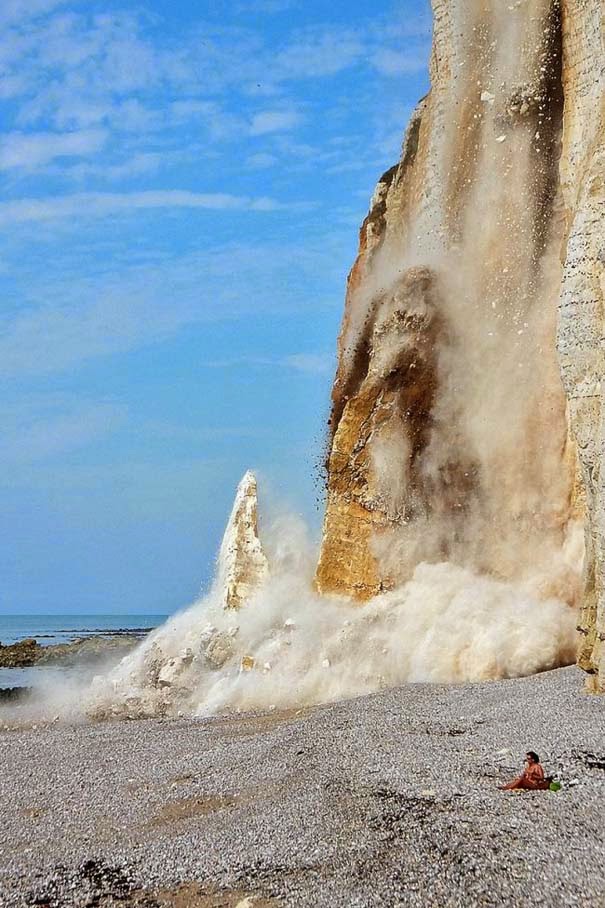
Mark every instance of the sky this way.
pixel 182 186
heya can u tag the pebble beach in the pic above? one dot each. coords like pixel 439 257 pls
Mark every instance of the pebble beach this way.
pixel 389 799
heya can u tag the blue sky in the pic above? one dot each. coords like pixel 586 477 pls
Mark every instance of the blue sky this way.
pixel 182 186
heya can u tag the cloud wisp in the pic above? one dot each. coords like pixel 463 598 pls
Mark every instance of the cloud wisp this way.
pixel 309 363
pixel 105 204
pixel 75 70
pixel 16 12
pixel 274 121
pixel 71 319
pixel 32 150
pixel 42 426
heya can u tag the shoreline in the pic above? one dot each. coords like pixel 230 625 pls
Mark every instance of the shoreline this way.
pixel 22 663
pixel 11 695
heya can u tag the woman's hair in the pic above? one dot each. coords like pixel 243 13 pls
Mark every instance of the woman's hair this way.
pixel 533 755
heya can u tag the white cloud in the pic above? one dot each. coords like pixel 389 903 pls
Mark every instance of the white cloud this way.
pixel 188 108
pixel 12 86
pixel 81 66
pixel 318 53
pixel 132 115
pixel 81 70
pixel 315 363
pixel 16 11
pixel 311 363
pixel 105 204
pixel 396 63
pixel 44 339
pixel 32 150
pixel 274 121
pixel 172 431
pixel 253 7
pixel 138 165
pixel 36 427
pixel 261 161
pixel 70 320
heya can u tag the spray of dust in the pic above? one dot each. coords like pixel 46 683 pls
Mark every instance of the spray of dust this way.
pixel 288 647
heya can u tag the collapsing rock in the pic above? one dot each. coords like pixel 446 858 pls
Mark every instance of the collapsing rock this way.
pixel 242 565
pixel 247 664
pixel 171 670
pixel 219 649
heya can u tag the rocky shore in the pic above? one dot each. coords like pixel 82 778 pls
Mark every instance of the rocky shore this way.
pixel 28 652
pixel 390 799
pixel 12 694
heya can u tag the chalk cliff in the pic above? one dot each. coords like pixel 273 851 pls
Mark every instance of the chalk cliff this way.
pixel 582 300
pixel 450 425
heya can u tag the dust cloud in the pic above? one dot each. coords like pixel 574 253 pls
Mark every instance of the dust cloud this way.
pixel 290 647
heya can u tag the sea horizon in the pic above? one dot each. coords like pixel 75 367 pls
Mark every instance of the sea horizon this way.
pixel 51 628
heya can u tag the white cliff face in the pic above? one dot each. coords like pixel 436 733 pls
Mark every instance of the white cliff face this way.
pixel 582 301
pixel 242 565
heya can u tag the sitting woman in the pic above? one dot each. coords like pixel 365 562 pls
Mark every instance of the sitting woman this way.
pixel 532 778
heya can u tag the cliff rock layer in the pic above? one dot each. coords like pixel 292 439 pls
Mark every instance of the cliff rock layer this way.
pixel 582 318
pixel 450 436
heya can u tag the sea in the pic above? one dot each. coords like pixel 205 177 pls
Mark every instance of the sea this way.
pixel 50 629
pixel 47 629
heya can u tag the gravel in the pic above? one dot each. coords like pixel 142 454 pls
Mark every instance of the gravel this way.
pixel 389 799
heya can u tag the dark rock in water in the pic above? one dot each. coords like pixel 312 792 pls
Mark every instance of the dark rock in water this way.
pixel 21 654
pixel 84 650
pixel 10 694
pixel 105 632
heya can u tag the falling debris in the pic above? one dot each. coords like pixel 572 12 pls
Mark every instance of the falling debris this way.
pixel 219 649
